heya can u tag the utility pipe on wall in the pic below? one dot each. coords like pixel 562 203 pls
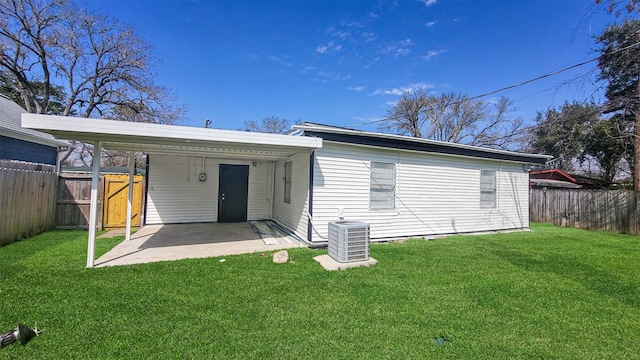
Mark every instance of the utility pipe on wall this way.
pixel 273 189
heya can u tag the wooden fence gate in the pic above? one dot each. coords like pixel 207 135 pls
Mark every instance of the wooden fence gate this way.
pixel 74 199
pixel 116 190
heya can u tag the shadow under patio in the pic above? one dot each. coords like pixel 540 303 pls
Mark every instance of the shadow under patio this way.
pixel 169 242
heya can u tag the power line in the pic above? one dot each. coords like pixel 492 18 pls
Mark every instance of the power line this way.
pixel 553 73
pixel 532 80
pixel 550 74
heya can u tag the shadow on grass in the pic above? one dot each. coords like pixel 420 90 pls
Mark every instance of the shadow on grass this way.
pixel 588 276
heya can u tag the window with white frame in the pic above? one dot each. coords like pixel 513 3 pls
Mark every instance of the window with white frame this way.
pixel 287 182
pixel 382 188
pixel 488 189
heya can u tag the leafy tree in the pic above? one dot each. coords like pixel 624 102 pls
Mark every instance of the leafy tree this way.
pixel 580 139
pixel 454 118
pixel 608 143
pixel 561 133
pixel 619 63
pixel 56 95
pixel 270 124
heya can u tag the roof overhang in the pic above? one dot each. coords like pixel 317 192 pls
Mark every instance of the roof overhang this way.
pixel 548 173
pixel 172 139
pixel 358 137
pixel 25 136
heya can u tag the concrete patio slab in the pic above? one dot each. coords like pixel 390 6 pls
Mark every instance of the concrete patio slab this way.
pixel 329 263
pixel 113 233
pixel 187 241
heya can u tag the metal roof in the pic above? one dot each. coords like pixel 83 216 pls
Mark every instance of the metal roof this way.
pixel 171 139
pixel 359 137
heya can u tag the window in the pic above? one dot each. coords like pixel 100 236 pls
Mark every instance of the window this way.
pixel 287 182
pixel 382 189
pixel 487 189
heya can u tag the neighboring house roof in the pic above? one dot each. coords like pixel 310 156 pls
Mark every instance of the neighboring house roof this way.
pixel 10 117
pixel 553 183
pixel 559 178
pixel 352 136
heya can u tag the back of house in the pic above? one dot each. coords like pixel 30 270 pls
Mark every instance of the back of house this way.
pixel 405 187
pixel 317 174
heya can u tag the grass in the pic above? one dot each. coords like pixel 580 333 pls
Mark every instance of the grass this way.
pixel 554 293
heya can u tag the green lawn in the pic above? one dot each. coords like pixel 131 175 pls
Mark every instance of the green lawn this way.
pixel 552 293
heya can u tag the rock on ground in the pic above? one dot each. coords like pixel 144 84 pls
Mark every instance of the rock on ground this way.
pixel 281 257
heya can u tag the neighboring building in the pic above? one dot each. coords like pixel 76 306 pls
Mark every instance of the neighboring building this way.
pixel 556 178
pixel 401 186
pixel 17 143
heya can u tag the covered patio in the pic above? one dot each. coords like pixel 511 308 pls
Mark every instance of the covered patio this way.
pixel 170 242
pixel 183 192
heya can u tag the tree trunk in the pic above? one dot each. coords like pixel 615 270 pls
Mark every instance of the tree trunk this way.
pixel 636 153
pixel 636 139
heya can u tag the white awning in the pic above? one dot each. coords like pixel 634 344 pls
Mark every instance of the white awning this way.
pixel 163 139
pixel 172 139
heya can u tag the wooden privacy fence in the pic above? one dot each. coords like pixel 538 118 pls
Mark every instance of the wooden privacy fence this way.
pixel 607 210
pixel 74 201
pixel 27 199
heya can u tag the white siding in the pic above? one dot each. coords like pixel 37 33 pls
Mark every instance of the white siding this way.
pixel 175 194
pixel 435 194
pixel 293 215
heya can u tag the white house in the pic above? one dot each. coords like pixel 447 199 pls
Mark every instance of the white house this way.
pixel 404 186
pixel 316 174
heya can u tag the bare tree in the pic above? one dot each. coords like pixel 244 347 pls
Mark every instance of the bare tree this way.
pixel 406 117
pixel 453 118
pixel 270 124
pixel 500 131
pixel 107 66
pixel 28 33
pixel 103 66
pixel 618 7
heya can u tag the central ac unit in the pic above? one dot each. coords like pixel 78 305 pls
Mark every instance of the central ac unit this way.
pixel 348 241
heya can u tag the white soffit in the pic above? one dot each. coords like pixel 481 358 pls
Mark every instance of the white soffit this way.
pixel 171 139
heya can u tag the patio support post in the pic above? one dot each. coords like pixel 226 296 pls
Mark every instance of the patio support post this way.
pixel 132 168
pixel 93 210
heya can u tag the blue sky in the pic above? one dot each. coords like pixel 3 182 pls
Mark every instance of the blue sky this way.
pixel 345 62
